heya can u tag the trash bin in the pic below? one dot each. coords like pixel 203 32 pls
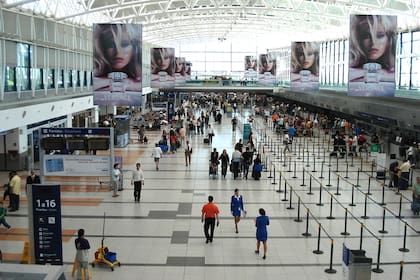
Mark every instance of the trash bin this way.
pixel 359 265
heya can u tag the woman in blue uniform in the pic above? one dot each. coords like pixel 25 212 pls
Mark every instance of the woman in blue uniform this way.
pixel 236 206
pixel 261 223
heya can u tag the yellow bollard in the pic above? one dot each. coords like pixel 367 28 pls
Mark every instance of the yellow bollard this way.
pixel 25 254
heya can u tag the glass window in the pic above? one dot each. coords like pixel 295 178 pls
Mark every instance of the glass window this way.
pixel 51 79
pixel 85 76
pixel 78 79
pixel 60 81
pixel 23 55
pixel 415 70
pixel 38 78
pixel 69 78
pixel 24 78
pixel 23 66
pixel 10 79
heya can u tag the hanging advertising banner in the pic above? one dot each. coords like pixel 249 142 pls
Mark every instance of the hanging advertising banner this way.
pixel 180 75
pixel 46 222
pixel 372 55
pixel 117 60
pixel 266 70
pixel 304 66
pixel 250 67
pixel 162 66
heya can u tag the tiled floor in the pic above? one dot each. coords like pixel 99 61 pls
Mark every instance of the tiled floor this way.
pixel 162 237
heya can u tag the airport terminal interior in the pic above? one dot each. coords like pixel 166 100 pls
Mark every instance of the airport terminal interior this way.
pixel 321 98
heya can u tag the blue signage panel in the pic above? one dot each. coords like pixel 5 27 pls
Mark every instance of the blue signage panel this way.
pixel 247 131
pixel 77 131
pixel 46 207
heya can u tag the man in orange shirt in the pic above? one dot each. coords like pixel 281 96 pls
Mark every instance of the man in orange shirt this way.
pixel 209 215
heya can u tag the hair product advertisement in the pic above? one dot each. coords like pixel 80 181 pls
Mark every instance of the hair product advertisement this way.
pixel 266 69
pixel 372 49
pixel 163 68
pixel 304 68
pixel 117 60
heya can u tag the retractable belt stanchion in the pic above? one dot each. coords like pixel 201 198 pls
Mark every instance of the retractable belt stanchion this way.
pixel 352 196
pixel 290 164
pixel 307 158
pixel 322 171
pixel 274 176
pixel 279 190
pixel 336 169
pixel 306 233
pixel 290 207
pixel 338 186
pixel 400 207
pixel 365 216
pixel 345 222
pixel 303 178
pixel 361 236
pixel 377 269
pixel 404 249
pixel 401 270
pixel 310 186
pixel 294 171
pixel 320 196
pixel 383 196
pixel 358 177
pixel 285 191
pixel 298 219
pixel 271 166
pixel 314 165
pixel 329 178
pixel 368 192
pixel 383 231
pixel 331 217
pixel 347 170
pixel 318 251
pixel 331 270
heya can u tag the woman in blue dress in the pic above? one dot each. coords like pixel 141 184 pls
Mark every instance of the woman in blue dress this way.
pixel 261 223
pixel 236 206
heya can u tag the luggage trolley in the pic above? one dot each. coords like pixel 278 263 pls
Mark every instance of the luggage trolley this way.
pixel 103 255
pixel 213 169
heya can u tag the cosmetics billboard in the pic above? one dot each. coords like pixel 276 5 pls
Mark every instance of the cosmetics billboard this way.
pixel 162 67
pixel 266 70
pixel 372 55
pixel 250 67
pixel 180 75
pixel 304 66
pixel 117 64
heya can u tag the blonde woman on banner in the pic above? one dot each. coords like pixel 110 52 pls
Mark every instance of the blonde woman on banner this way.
pixel 372 55
pixel 162 66
pixel 305 62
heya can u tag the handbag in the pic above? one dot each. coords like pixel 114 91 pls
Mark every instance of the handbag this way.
pixel 258 167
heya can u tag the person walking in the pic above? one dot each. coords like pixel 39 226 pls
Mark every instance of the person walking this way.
pixel 15 190
pixel 257 168
pixel 247 161
pixel 261 223
pixel 137 180
pixel 286 142
pixel 3 213
pixel 210 132
pixel 236 161
pixel 116 175
pixel 236 208
pixel 210 218
pixel 188 152
pixel 82 254
pixel 405 175
pixel 157 154
pixel 224 158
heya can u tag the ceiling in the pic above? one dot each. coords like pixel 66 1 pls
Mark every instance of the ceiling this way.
pixel 168 23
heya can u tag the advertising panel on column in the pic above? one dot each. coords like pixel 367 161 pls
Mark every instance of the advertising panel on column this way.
pixel 117 64
pixel 162 67
pixel 180 75
pixel 250 67
pixel 372 55
pixel 304 68
pixel 266 70
pixel 188 66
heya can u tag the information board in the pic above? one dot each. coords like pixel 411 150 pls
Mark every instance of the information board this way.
pixel 76 165
pixel 46 211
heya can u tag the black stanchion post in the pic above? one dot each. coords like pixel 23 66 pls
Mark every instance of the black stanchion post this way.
pixel 345 223
pixel 371 170
pixel 361 164
pixel 329 161
pixel 401 269
pixel 329 178
pixel 290 164
pixel 352 196
pixel 331 270
pixel 290 207
pixel 314 169
pixel 331 217
pixel 383 222
pixel 271 166
pixel 298 219
pixel 306 233
pixel 320 196
pixel 347 171
pixel 318 251
pixel 266 163
pixel 279 190
pixel 310 186
pixel 303 154
pixel 307 158
pixel 303 178
pixel 313 148
pixel 336 170
pixel 338 186
pixel 319 152
pixel 365 216
pixel 298 155
pixel 361 236
pixel 274 176
pixel 368 192
pixel 383 196
pixel 404 249
pixel 400 207
pixel 352 159
pixel 294 171
pixel 322 170
pixel 377 269
pixel 285 191
pixel 358 177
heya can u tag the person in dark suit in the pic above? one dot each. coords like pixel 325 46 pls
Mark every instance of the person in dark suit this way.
pixel 236 207
pixel 32 179
pixel 393 171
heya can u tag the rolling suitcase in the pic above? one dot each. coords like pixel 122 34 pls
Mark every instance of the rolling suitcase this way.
pixel 206 141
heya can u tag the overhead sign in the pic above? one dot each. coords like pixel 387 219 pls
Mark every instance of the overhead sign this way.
pixel 46 211
pixel 80 165
pixel 77 131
